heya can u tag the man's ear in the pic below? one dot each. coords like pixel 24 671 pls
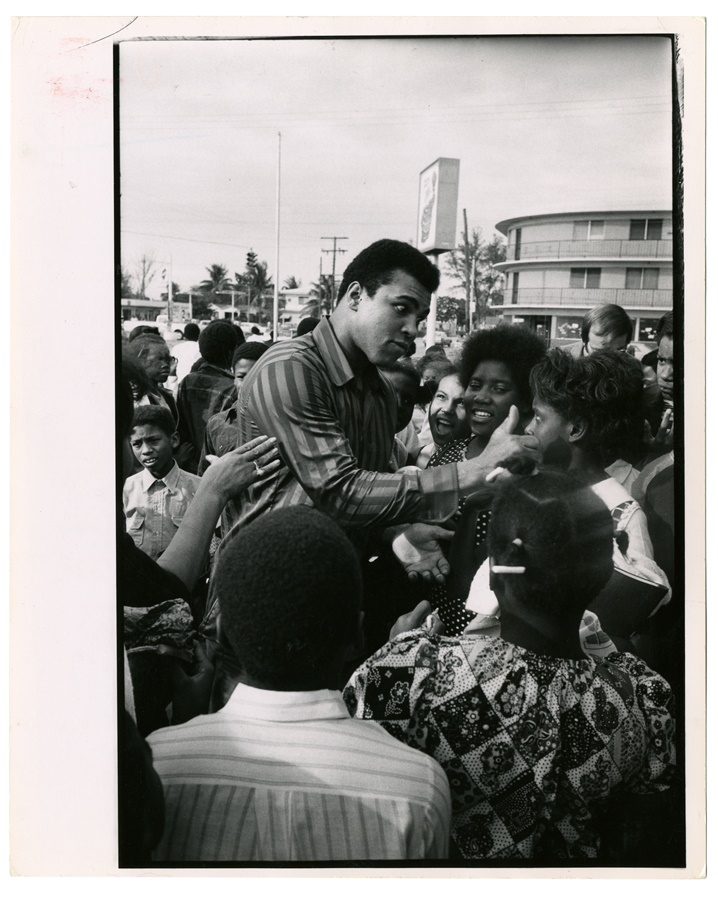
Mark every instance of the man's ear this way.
pixel 175 440
pixel 353 294
pixel 577 430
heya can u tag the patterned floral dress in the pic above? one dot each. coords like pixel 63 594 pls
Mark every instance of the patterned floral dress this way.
pixel 532 745
pixel 451 610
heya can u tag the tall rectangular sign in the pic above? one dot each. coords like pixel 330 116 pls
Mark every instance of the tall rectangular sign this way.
pixel 438 201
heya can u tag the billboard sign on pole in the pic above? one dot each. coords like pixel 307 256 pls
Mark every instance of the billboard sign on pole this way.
pixel 438 202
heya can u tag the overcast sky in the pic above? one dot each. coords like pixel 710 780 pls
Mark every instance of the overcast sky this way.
pixel 539 125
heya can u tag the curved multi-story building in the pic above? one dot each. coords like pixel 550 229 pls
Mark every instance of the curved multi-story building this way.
pixel 560 265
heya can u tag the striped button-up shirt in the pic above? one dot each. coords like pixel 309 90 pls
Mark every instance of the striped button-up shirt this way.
pixel 335 429
pixel 281 775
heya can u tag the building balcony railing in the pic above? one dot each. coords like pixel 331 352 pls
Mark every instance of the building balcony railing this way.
pixel 596 249
pixel 660 299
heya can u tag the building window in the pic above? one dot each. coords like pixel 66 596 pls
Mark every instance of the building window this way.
pixel 585 278
pixel 646 230
pixel 589 230
pixel 642 279
pixel 515 288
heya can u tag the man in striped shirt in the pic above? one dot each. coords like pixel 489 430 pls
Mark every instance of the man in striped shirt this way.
pixel 334 414
pixel 282 772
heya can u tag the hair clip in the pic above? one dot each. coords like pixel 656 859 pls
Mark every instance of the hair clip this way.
pixel 508 570
pixel 518 542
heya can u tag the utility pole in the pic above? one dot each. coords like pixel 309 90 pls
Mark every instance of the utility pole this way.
pixel 472 297
pixel 469 275
pixel 334 252
pixel 167 278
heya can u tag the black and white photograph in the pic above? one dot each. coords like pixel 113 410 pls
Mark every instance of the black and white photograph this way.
pixel 384 565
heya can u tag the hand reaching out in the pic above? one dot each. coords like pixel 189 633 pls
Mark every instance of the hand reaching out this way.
pixel 420 615
pixel 418 550
pixel 503 447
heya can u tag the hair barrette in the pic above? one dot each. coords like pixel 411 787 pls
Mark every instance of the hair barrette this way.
pixel 509 570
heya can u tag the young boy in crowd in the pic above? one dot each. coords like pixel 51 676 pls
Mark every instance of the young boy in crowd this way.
pixel 156 499
pixel 222 433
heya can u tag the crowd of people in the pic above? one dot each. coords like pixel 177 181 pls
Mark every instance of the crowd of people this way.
pixel 385 608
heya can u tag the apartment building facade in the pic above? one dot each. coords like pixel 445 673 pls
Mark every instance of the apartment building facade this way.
pixel 560 265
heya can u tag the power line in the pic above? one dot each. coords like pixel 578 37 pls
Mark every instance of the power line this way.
pixel 392 111
pixel 438 117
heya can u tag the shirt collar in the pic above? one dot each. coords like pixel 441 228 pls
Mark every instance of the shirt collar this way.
pixel 170 479
pixel 330 350
pixel 208 368
pixel 286 706
pixel 611 492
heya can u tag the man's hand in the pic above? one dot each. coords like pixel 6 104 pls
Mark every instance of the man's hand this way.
pixel 417 549
pixel 503 446
pixel 663 441
pixel 420 615
pixel 191 692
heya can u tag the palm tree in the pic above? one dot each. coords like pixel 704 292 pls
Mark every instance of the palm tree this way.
pixel 320 298
pixel 262 286
pixel 291 283
pixel 217 281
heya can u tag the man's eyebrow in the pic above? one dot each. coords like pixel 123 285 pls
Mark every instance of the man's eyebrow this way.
pixel 408 298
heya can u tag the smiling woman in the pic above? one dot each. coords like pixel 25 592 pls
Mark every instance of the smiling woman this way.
pixel 494 370
pixel 489 395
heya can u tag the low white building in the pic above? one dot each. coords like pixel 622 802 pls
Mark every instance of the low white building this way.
pixel 295 299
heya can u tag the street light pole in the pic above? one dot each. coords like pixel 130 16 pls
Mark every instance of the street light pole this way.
pixel 275 317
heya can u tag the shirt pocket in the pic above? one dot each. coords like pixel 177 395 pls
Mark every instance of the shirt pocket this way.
pixel 136 528
pixel 177 509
